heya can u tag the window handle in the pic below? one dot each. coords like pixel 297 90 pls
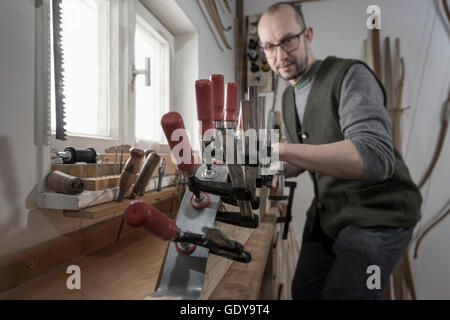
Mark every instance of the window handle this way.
pixel 145 72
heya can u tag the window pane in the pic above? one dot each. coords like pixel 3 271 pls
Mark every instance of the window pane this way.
pixel 86 77
pixel 149 100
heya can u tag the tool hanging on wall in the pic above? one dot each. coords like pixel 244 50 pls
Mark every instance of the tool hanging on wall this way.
pixel 227 5
pixel 63 183
pixel 258 72
pixel 437 152
pixel 402 276
pixel 58 56
pixel 213 14
pixel 205 16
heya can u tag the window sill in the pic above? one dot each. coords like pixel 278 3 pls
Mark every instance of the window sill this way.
pixel 86 136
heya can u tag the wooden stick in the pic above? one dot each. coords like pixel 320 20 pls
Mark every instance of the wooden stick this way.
pixel 214 7
pixel 390 89
pixel 399 76
pixel 376 52
pixel 369 54
pixel 216 22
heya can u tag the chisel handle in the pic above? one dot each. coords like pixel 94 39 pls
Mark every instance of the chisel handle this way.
pixel 170 122
pixel 141 214
pixel 142 181
pixel 128 175
pixel 230 102
pixel 217 96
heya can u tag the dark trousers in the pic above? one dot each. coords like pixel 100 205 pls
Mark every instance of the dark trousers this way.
pixel 339 268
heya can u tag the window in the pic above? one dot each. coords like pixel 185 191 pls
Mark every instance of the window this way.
pixel 103 42
pixel 85 34
pixel 153 101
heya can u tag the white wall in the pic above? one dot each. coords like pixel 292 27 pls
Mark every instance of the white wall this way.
pixel 340 29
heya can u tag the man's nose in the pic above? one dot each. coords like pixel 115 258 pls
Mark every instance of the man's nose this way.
pixel 281 54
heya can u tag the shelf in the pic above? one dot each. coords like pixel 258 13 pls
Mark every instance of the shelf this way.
pixel 53 200
pixel 113 206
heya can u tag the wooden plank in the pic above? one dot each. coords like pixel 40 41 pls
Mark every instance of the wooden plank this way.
pixel 114 206
pixel 15 269
pixel 243 280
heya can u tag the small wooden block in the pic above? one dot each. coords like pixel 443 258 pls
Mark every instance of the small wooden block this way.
pixel 101 183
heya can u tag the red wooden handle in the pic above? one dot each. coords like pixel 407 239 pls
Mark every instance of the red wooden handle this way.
pixel 217 89
pixel 230 104
pixel 141 214
pixel 170 122
pixel 203 93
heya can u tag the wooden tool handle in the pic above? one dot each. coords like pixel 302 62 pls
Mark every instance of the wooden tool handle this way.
pixel 203 93
pixel 141 214
pixel 170 122
pixel 217 96
pixel 148 167
pixel 128 176
pixel 230 104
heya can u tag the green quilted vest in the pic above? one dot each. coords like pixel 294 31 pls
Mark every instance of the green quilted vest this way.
pixel 394 202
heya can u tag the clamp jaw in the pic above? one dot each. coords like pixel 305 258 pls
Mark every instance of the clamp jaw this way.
pixel 141 214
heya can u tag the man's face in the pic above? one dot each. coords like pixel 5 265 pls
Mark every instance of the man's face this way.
pixel 274 29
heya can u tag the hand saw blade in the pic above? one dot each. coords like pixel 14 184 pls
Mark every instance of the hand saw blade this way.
pixel 182 274
pixel 58 69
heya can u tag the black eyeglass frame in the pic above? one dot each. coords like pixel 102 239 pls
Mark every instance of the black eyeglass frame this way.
pixel 298 35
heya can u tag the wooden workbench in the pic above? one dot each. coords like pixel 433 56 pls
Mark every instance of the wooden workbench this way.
pixel 130 269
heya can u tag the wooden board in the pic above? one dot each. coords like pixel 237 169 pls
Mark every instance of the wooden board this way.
pixel 114 206
pixel 243 280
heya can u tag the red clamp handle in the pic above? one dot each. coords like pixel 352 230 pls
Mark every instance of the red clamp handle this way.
pixel 217 89
pixel 230 104
pixel 203 93
pixel 141 214
pixel 170 122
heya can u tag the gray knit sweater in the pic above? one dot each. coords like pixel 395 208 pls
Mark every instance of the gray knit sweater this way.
pixel 363 119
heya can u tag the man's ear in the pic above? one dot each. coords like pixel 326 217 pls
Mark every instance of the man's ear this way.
pixel 309 33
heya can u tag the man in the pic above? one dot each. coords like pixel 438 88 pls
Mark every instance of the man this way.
pixel 365 204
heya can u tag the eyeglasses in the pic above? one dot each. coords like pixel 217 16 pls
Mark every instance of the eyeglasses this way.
pixel 288 45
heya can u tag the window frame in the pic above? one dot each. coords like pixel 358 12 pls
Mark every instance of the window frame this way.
pixel 151 23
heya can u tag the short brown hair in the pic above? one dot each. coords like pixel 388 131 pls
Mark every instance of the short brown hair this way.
pixel 296 7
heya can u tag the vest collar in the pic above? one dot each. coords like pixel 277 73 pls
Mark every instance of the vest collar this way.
pixel 308 76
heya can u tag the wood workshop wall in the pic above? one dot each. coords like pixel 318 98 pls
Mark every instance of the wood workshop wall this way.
pixel 22 224
pixel 340 30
